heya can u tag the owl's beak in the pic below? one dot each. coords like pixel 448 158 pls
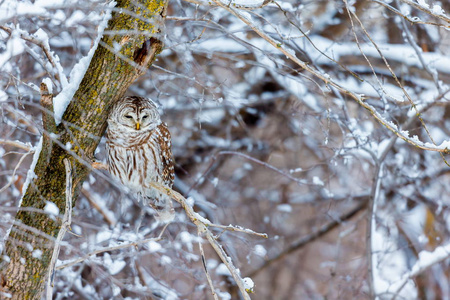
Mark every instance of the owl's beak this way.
pixel 137 125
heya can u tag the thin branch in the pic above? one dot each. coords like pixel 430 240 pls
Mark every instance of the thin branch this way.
pixel 426 260
pixel 18 144
pixel 66 221
pixel 107 249
pixel 111 222
pixel 299 181
pixel 238 229
pixel 371 226
pixel 425 66
pixel 427 10
pixel 15 170
pixel 208 277
pixel 202 225
pixel 413 105
pixel 59 75
pixel 412 20
pixel 312 237
pixel 359 98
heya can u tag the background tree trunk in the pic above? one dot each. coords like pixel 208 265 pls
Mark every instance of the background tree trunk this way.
pixel 109 75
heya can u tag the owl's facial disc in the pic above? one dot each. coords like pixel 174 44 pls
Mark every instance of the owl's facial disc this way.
pixel 130 119
pixel 148 119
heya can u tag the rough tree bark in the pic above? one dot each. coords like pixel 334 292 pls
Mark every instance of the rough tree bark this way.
pixel 135 25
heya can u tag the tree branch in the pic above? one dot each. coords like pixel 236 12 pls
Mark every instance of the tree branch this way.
pixel 66 221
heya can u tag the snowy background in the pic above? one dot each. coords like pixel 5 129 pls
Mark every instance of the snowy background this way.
pixel 285 119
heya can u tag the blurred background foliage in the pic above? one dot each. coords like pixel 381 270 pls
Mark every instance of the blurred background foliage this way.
pixel 261 143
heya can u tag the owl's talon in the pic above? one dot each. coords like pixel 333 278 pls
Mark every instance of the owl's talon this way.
pixel 99 166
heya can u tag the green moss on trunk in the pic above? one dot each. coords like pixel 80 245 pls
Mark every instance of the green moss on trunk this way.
pixel 108 77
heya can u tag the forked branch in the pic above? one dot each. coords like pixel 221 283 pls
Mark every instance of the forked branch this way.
pixel 203 225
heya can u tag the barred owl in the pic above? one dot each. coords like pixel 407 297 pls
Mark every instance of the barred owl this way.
pixel 139 151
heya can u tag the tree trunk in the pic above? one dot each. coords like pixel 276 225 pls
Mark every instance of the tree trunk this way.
pixel 135 25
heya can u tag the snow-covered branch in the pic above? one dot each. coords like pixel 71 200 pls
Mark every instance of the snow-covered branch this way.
pixel 444 147
pixel 202 225
pixel 425 261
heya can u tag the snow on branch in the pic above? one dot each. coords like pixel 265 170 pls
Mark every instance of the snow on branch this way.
pixel 435 11
pixel 412 20
pixel 246 4
pixel 40 38
pixel 426 260
pixel 202 225
pixel 62 100
pixel 444 147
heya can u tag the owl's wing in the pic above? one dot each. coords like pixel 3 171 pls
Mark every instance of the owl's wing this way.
pixel 165 142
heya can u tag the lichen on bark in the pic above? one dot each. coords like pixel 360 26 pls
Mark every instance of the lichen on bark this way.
pixel 133 30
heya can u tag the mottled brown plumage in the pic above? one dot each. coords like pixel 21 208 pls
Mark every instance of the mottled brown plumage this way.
pixel 139 150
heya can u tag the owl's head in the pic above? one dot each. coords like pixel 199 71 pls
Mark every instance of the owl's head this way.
pixel 134 114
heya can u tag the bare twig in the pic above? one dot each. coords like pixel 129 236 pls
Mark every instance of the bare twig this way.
pixel 413 105
pixel 371 226
pixel 17 144
pixel 111 222
pixel 59 75
pixel 313 236
pixel 269 166
pixel 208 277
pixel 15 170
pixel 412 20
pixel 359 98
pixel 66 221
pixel 122 246
pixel 427 10
pixel 238 229
pixel 202 225
pixel 425 66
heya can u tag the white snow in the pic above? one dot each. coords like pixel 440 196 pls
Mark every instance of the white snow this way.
pixel 248 284
pixel 316 180
pixel 249 4
pixel 220 45
pixel 37 253
pixel 165 260
pixel 388 261
pixel 14 47
pixel 154 246
pixel 3 96
pixel 113 266
pixel 75 18
pixel 62 100
pixel 222 270
pixel 284 208
pixel 30 174
pixel 49 84
pixel 296 170
pixel 223 295
pixel 260 250
pixel 103 236
pixel 423 3
pixel 10 9
pixel 51 208
pixel 188 239
pixel 427 258
pixel 437 9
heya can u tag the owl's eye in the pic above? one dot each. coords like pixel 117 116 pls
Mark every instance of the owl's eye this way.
pixel 128 117
pixel 144 117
